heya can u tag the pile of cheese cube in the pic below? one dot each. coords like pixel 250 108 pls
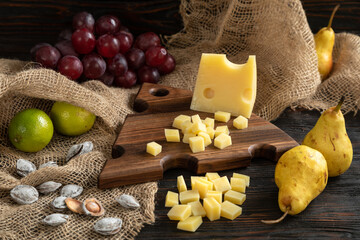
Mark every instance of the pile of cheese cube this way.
pixel 212 189
pixel 199 133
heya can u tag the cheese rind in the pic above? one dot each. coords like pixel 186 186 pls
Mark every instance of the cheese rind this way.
pixel 191 224
pixel 224 86
pixel 230 210
pixel 153 148
pixel 171 199
pixel 179 212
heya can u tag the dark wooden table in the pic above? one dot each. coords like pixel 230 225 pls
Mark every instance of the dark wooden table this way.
pixel 335 214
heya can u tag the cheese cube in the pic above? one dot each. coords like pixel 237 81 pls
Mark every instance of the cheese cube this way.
pixel 240 122
pixel 197 209
pixel 207 139
pixel 196 118
pixel 189 196
pixel 217 195
pixel 186 127
pixel 153 148
pixel 221 129
pixel 230 210
pixel 197 144
pixel 211 132
pixel 238 184
pixel 209 122
pixel 203 186
pixel 222 141
pixel 191 224
pixel 245 177
pixel 181 184
pixel 221 184
pixel 195 178
pixel 179 120
pixel 212 175
pixel 179 212
pixel 212 208
pixel 223 85
pixel 172 135
pixel 187 136
pixel 171 199
pixel 198 127
pixel 235 197
pixel 222 116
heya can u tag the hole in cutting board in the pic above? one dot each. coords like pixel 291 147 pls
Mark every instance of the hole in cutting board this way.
pixel 161 92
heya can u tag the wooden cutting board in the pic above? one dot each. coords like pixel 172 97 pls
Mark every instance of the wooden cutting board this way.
pixel 158 106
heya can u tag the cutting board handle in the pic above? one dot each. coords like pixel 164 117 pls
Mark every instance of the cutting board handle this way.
pixel 153 98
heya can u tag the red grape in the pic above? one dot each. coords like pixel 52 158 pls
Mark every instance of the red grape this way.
pixel 70 66
pixel 148 74
pixel 107 45
pixel 107 24
pixel 126 81
pixel 65 34
pixel 135 58
pixel 117 65
pixel 83 41
pixel 83 20
pixel 123 28
pixel 125 41
pixel 147 40
pixel 36 47
pixel 107 78
pixel 47 56
pixel 94 65
pixel 66 48
pixel 155 56
pixel 168 66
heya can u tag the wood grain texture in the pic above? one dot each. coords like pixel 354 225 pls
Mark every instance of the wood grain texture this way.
pixel 26 23
pixel 131 163
pixel 334 214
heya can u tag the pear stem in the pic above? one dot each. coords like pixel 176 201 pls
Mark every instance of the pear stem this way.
pixel 332 16
pixel 277 220
pixel 337 108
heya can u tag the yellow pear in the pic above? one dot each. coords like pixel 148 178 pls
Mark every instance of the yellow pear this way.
pixel 301 174
pixel 324 44
pixel 330 138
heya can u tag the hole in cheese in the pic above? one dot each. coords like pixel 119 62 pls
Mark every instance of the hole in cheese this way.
pixel 247 95
pixel 209 93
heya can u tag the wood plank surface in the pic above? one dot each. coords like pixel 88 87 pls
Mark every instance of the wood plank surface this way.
pixel 131 164
pixel 26 23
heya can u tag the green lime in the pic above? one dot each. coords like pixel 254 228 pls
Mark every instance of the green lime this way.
pixel 30 130
pixel 71 120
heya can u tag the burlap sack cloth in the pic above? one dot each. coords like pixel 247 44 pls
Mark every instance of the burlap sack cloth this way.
pixel 275 31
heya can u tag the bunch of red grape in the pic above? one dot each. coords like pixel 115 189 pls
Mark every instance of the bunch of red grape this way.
pixel 105 50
